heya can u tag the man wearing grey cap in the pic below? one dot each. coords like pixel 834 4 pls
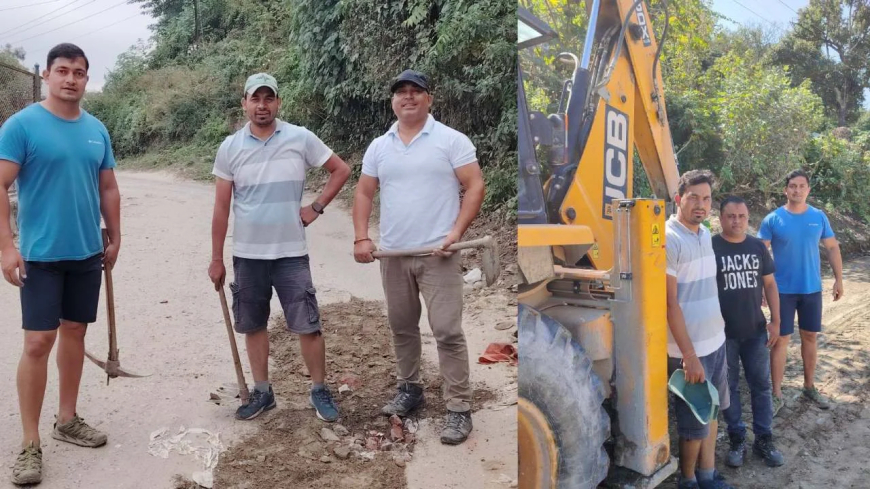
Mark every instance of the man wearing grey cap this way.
pixel 419 166
pixel 261 170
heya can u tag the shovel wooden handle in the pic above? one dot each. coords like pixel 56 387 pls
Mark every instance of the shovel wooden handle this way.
pixel 240 376
pixel 476 243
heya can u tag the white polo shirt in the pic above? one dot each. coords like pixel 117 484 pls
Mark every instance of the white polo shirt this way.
pixel 418 183
pixel 268 180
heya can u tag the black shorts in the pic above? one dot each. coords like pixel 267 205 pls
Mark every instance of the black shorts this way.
pixel 809 312
pixel 252 292
pixel 68 290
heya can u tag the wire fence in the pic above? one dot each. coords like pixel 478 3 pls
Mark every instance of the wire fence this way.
pixel 18 89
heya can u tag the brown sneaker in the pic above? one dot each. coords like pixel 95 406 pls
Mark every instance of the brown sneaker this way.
pixel 28 466
pixel 77 432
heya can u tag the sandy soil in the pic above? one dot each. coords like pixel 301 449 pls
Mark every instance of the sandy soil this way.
pixel 170 325
pixel 821 448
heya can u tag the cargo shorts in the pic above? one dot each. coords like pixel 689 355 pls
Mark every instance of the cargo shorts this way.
pixel 252 294
pixel 716 372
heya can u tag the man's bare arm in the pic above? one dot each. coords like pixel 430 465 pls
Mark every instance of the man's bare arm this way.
pixel 362 212
pixel 363 197
pixel 676 321
pixel 339 172
pixel 772 294
pixel 8 174
pixel 471 179
pixel 220 218
pixel 835 258
pixel 110 204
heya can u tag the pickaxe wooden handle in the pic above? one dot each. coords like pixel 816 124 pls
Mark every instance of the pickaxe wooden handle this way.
pixel 476 243
pixel 112 365
pixel 240 376
pixel 490 260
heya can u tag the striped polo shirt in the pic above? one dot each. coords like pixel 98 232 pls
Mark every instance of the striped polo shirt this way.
pixel 692 261
pixel 268 180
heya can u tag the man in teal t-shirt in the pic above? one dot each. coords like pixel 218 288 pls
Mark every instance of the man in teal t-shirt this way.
pixel 62 159
pixel 793 232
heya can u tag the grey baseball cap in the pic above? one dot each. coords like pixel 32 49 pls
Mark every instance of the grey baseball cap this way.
pixel 411 76
pixel 260 80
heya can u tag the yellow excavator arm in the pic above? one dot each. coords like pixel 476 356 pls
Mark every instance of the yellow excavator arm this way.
pixel 592 321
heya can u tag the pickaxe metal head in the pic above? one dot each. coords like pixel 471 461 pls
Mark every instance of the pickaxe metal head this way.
pixel 113 368
pixel 490 260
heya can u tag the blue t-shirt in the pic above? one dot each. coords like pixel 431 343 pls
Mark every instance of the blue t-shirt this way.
pixel 794 239
pixel 58 183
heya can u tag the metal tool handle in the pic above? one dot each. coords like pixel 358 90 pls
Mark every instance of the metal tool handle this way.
pixel 240 376
pixel 476 243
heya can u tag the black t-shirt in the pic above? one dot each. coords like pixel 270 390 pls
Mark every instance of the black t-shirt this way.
pixel 739 271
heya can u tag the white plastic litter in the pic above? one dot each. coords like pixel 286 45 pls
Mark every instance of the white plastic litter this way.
pixel 473 276
pixel 203 444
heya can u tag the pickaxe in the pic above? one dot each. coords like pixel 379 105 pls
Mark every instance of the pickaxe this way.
pixel 490 260
pixel 112 365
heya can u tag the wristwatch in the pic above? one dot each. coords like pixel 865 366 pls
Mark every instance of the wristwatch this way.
pixel 317 207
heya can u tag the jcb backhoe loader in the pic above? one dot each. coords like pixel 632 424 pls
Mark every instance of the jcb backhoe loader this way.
pixel 592 319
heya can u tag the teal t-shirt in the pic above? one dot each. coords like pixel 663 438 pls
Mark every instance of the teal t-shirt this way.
pixel 794 239
pixel 58 183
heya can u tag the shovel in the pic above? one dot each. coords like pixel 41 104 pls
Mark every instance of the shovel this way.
pixel 490 266
pixel 112 365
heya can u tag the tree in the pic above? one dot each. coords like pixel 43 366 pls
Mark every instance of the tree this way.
pixel 15 54
pixel 829 44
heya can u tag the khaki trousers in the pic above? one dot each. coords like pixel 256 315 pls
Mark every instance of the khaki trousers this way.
pixel 439 281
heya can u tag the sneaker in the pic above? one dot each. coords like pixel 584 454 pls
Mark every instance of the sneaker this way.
pixel 77 432
pixel 457 428
pixel 737 452
pixel 28 466
pixel 717 482
pixel 814 395
pixel 763 447
pixel 687 484
pixel 778 403
pixel 409 397
pixel 324 406
pixel 257 403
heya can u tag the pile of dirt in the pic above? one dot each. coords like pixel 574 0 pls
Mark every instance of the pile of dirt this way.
pixel 292 449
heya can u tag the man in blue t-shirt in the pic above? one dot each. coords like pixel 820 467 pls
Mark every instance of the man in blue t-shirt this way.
pixel 62 159
pixel 793 232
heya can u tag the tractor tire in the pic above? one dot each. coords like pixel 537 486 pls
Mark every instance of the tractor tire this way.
pixel 556 376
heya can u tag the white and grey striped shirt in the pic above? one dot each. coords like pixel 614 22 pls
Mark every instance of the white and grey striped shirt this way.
pixel 692 261
pixel 268 180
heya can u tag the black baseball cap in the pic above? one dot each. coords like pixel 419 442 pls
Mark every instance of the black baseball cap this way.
pixel 411 76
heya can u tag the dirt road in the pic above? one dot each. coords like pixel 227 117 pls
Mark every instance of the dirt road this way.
pixel 170 324
pixel 823 448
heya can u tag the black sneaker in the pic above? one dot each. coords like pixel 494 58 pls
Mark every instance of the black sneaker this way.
pixel 737 452
pixel 409 397
pixel 763 447
pixel 457 428
pixel 257 403
pixel 324 406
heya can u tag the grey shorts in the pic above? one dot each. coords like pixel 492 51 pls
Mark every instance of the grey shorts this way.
pixel 252 293
pixel 715 371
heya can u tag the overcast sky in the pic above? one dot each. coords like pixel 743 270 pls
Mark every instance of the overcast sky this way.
pixel 102 28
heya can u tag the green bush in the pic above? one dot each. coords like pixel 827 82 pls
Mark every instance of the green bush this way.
pixel 333 60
